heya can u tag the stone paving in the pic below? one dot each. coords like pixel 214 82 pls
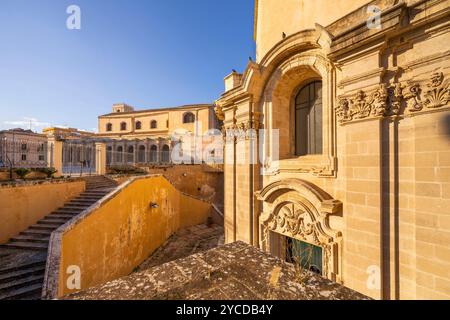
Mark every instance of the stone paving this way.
pixel 234 271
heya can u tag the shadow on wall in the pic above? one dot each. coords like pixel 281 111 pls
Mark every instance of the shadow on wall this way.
pixel 113 237
pixel 445 123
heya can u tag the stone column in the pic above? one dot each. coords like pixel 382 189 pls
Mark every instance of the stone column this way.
pixel 100 158
pixel 147 151
pixel 113 153
pixel 125 153
pixel 55 156
pixel 136 155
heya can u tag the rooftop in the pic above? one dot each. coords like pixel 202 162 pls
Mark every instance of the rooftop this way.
pixel 233 271
pixel 189 106
pixel 22 131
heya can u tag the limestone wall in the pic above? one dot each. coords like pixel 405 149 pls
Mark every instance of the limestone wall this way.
pixel 23 205
pixel 109 241
pixel 386 142
pixel 295 15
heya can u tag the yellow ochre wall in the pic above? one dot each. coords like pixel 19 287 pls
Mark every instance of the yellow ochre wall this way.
pixel 119 235
pixel 21 207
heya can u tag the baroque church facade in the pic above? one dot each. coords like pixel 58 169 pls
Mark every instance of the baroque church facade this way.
pixel 354 161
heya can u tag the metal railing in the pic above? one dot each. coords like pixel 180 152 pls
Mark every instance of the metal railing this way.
pixel 78 158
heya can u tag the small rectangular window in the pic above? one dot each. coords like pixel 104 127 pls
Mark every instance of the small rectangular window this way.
pixel 24 157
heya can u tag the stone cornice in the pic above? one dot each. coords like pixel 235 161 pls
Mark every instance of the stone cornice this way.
pixel 359 35
pixel 378 73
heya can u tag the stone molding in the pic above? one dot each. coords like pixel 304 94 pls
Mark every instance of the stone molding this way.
pixel 245 130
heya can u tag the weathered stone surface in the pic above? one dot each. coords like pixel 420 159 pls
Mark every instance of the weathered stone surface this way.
pixel 184 243
pixel 233 271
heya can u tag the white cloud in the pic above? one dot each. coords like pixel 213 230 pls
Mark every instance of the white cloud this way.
pixel 33 123
pixel 25 123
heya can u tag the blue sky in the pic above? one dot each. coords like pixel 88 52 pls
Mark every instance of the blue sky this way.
pixel 147 53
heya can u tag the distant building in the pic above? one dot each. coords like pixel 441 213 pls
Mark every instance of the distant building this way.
pixel 147 136
pixel 67 133
pixel 21 148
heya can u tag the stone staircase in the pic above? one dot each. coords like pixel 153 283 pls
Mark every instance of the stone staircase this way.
pixel 22 278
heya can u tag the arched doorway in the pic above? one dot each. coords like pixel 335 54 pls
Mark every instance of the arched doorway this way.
pixel 165 156
pixel 154 154
pixel 130 154
pixel 119 155
pixel 141 154
pixel 109 155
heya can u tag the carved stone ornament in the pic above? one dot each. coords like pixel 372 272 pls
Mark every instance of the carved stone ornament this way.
pixel 363 105
pixel 435 95
pixel 298 209
pixel 395 100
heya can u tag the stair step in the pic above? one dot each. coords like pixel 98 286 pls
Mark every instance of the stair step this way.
pixel 33 279
pixel 16 275
pixel 83 200
pixel 78 205
pixel 73 208
pixel 31 232
pixel 70 211
pixel 30 239
pixel 100 194
pixel 45 226
pixel 23 266
pixel 29 291
pixel 55 220
pixel 50 221
pixel 60 216
pixel 87 197
pixel 25 246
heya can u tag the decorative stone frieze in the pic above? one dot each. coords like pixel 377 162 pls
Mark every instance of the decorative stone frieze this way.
pixel 363 105
pixel 397 99
pixel 245 130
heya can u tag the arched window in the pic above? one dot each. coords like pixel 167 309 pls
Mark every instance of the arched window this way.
pixel 188 117
pixel 141 154
pixel 123 126
pixel 165 156
pixel 154 154
pixel 109 127
pixel 108 155
pixel 119 154
pixel 154 124
pixel 308 119
pixel 138 125
pixel 130 154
